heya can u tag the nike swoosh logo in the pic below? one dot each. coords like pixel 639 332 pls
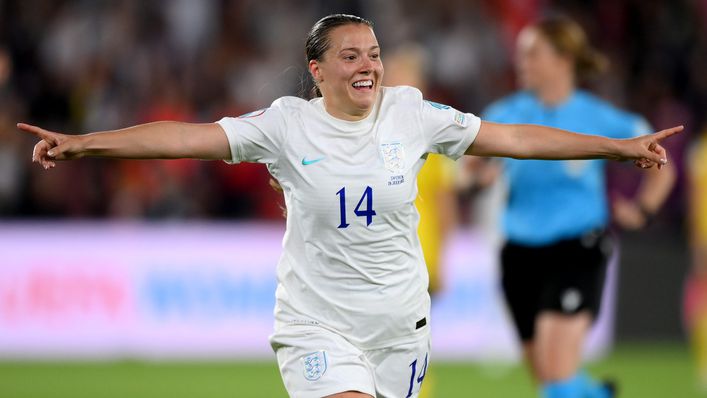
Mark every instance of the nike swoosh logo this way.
pixel 306 162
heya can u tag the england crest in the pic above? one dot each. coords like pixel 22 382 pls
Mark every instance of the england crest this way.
pixel 314 365
pixel 393 157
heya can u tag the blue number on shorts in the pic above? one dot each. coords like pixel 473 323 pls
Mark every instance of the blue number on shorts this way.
pixel 413 373
pixel 368 212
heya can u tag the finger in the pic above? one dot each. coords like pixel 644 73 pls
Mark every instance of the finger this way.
pixel 48 164
pixel 40 150
pixel 657 149
pixel 660 151
pixel 662 154
pixel 43 161
pixel 37 151
pixel 656 153
pixel 644 163
pixel 655 158
pixel 663 134
pixel 39 132
pixel 40 154
pixel 58 152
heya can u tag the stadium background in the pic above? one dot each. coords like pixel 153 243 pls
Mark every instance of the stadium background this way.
pixel 95 65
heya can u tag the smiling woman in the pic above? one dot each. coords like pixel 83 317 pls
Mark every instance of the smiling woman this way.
pixel 352 308
pixel 344 59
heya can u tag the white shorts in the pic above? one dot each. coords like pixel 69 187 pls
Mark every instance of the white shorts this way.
pixel 316 362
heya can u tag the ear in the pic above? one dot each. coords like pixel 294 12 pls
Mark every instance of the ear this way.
pixel 315 71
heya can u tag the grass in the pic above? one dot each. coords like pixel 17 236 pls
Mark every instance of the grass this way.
pixel 643 371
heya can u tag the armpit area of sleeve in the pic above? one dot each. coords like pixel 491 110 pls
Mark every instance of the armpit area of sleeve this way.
pixel 232 135
pixel 468 136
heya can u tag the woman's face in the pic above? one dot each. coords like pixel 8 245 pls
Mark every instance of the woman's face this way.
pixel 349 74
pixel 538 63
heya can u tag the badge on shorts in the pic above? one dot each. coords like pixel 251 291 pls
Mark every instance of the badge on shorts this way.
pixel 314 365
pixel 571 300
pixel 393 156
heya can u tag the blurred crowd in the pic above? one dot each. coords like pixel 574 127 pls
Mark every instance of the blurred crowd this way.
pixel 88 65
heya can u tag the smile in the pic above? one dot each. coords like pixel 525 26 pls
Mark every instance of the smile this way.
pixel 363 85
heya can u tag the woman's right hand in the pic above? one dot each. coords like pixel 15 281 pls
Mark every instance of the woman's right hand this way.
pixel 646 151
pixel 52 146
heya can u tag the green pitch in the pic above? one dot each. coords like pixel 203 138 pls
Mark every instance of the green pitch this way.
pixel 643 370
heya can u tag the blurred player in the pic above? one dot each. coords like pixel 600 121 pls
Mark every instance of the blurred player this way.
pixel 696 284
pixel 436 199
pixel 557 247
pixel 352 308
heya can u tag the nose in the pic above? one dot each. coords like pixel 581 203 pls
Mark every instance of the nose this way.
pixel 366 66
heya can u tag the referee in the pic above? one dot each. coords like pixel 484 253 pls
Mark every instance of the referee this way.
pixel 555 257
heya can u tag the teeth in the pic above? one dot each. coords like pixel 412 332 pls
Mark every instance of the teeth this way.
pixel 363 83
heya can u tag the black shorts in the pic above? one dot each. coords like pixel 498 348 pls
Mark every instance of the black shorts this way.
pixel 566 277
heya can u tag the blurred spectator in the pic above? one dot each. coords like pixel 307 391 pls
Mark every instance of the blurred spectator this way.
pixel 436 199
pixel 695 297
pixel 82 65
pixel 12 168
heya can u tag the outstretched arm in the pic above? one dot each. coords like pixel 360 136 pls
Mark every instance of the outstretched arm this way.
pixel 159 140
pixel 527 141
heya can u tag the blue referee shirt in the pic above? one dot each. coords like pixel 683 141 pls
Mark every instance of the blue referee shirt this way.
pixel 553 200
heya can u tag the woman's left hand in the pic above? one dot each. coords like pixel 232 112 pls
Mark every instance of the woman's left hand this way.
pixel 628 215
pixel 646 151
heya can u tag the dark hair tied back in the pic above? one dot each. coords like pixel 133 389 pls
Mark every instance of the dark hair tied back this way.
pixel 318 39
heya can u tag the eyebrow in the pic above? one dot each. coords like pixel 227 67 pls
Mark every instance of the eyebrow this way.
pixel 357 50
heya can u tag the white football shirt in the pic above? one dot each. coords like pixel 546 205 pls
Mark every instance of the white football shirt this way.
pixel 352 261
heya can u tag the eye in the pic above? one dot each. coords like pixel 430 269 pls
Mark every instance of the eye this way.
pixel 350 57
pixel 375 56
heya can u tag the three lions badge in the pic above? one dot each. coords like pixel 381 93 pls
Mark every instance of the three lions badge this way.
pixel 314 365
pixel 393 157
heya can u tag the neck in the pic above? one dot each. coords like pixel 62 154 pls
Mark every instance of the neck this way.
pixel 556 91
pixel 348 115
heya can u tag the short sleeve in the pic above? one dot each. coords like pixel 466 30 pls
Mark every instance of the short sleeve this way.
pixel 448 131
pixel 256 136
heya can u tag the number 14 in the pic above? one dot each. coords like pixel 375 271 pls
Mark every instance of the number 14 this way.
pixel 413 374
pixel 368 212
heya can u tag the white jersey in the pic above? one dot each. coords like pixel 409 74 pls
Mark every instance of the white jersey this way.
pixel 352 261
